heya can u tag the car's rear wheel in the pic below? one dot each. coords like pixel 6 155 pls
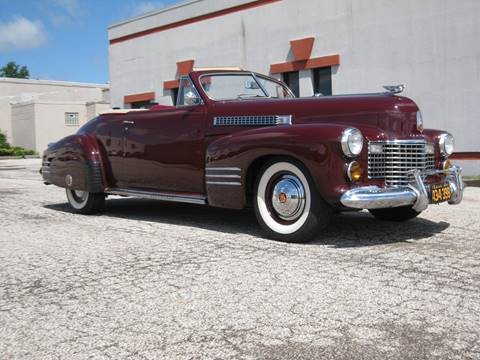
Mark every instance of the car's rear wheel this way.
pixel 84 202
pixel 287 204
pixel 402 213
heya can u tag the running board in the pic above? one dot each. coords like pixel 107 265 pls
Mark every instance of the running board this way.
pixel 163 196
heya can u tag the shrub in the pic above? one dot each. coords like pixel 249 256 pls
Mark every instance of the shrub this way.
pixel 3 141
pixel 7 150
pixel 19 151
pixel 16 151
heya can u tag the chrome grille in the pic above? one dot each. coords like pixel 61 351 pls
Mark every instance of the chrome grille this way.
pixel 255 120
pixel 396 159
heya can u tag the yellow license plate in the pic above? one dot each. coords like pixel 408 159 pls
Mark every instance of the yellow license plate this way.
pixel 440 193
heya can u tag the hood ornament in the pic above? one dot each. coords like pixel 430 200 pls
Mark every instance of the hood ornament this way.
pixel 394 89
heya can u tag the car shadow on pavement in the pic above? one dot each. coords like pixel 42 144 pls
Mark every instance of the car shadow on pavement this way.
pixel 352 229
pixel 360 229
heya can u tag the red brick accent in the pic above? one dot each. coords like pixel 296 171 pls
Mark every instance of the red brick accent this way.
pixel 128 99
pixel 171 84
pixel 319 62
pixel 302 48
pixel 466 156
pixel 185 67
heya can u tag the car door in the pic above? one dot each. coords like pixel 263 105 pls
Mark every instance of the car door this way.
pixel 165 149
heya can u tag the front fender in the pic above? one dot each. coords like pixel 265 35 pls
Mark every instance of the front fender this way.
pixel 433 136
pixel 317 146
pixel 74 162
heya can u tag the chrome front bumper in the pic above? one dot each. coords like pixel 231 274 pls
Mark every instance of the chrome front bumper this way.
pixel 415 194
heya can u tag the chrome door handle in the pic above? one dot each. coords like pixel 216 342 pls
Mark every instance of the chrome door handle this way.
pixel 128 122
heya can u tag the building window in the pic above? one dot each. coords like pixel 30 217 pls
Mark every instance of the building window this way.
pixel 292 79
pixel 322 81
pixel 174 93
pixel 142 104
pixel 72 119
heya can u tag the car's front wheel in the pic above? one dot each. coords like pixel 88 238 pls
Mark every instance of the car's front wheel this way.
pixel 84 202
pixel 287 204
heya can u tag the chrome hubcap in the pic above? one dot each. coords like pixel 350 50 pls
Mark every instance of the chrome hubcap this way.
pixel 79 196
pixel 288 198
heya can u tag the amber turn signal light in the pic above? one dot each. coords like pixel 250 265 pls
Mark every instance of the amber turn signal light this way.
pixel 354 171
pixel 446 165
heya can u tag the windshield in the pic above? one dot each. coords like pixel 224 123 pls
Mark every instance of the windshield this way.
pixel 242 86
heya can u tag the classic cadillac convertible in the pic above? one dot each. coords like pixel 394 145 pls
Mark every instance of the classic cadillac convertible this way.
pixel 237 139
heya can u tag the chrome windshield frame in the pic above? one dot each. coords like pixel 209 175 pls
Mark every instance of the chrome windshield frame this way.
pixel 194 88
pixel 255 77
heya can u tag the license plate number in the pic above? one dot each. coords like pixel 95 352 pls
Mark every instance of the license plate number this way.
pixel 440 193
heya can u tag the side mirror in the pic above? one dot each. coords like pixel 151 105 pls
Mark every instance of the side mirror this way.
pixel 190 98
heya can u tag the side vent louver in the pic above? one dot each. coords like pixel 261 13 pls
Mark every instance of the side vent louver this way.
pixel 255 120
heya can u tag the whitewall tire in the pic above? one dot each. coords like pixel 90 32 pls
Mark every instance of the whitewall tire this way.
pixel 84 202
pixel 287 204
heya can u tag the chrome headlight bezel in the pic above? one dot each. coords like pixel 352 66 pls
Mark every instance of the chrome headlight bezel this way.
pixel 419 120
pixel 352 142
pixel 446 143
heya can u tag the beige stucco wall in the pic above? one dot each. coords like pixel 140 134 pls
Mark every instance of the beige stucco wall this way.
pixel 23 133
pixel 14 92
pixel 38 123
pixel 94 109
pixel 50 121
pixel 6 117
pixel 29 89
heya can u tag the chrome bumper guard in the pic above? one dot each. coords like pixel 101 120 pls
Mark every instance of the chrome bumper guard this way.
pixel 415 194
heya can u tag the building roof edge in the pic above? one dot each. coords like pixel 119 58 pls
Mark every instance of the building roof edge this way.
pixel 52 82
pixel 152 13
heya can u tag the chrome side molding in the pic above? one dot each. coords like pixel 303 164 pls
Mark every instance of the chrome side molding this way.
pixel 162 196
pixel 228 176
pixel 225 183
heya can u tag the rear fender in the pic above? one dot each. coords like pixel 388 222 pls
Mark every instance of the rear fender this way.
pixel 75 162
pixel 317 146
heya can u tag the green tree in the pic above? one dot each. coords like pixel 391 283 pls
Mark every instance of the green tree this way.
pixel 13 70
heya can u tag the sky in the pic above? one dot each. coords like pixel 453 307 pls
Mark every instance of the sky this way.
pixel 64 39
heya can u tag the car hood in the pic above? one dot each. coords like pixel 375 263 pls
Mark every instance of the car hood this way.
pixel 391 116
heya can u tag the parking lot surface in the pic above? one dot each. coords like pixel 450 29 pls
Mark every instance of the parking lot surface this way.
pixel 153 280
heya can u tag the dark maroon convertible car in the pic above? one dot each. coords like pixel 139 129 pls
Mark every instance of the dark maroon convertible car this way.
pixel 238 139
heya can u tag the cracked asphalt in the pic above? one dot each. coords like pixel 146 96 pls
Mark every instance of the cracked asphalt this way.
pixel 152 280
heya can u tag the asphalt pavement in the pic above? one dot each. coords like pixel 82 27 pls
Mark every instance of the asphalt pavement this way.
pixel 153 280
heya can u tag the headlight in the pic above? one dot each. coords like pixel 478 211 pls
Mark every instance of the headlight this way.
pixel 446 144
pixel 352 142
pixel 419 121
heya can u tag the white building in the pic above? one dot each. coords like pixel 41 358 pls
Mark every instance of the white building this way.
pixel 328 46
pixel 34 113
